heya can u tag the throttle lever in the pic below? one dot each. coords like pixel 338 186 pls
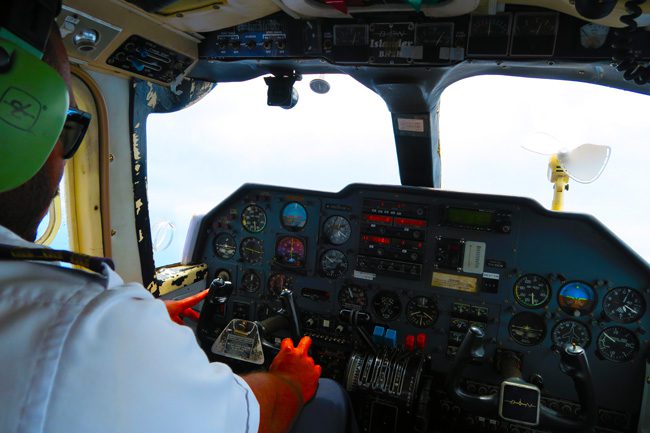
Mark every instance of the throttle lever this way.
pixel 286 297
pixel 220 290
pixel 357 318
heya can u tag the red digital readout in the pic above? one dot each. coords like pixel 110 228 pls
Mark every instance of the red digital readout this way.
pixel 376 239
pixel 379 219
pixel 410 222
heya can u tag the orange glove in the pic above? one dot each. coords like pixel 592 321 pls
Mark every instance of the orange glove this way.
pixel 295 366
pixel 183 307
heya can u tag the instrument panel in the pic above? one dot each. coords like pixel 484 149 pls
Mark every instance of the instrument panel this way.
pixel 423 266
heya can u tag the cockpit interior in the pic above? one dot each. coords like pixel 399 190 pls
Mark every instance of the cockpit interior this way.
pixel 437 310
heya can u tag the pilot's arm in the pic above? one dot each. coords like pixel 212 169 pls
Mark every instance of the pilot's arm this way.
pixel 290 383
pixel 126 367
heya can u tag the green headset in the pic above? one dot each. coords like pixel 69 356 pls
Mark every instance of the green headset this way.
pixel 33 96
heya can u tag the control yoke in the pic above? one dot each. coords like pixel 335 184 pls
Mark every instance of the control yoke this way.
pixel 518 400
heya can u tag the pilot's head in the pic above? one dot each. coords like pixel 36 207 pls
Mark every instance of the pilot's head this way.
pixel 23 207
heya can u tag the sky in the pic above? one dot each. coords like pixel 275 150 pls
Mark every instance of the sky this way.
pixel 231 137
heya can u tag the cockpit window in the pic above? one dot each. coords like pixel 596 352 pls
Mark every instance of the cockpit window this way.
pixel 485 120
pixel 199 156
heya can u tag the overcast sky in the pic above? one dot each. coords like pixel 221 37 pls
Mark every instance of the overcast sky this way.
pixel 199 156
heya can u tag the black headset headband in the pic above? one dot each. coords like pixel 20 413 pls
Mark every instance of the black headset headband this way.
pixel 30 20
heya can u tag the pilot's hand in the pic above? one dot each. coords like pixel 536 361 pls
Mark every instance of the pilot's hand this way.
pixel 297 367
pixel 183 307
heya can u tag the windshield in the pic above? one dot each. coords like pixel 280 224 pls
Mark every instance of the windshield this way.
pixel 485 120
pixel 198 156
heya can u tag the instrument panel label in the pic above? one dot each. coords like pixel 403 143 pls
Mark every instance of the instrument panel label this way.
pixel 364 275
pixel 474 259
pixel 410 125
pixel 454 282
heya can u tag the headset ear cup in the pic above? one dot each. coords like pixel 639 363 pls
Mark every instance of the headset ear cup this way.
pixel 33 104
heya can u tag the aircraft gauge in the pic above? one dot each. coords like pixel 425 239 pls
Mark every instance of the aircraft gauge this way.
pixel 253 218
pixel 624 305
pixel 576 298
pixel 532 291
pixel 421 312
pixel 278 282
pixel 617 344
pixel 387 305
pixel 527 329
pixel 337 230
pixel 250 281
pixel 570 332
pixel 225 246
pixel 353 297
pixel 223 274
pixel 251 250
pixel 290 251
pixel 333 263
pixel 294 216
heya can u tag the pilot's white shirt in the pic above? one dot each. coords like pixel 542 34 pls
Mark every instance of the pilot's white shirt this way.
pixel 89 354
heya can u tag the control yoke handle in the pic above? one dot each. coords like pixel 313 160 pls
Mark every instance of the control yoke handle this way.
pixel 573 362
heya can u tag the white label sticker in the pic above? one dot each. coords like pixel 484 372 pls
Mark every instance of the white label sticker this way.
pixel 490 275
pixel 474 257
pixel 364 275
pixel 410 125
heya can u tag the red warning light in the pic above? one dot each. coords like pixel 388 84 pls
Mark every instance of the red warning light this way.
pixel 379 219
pixel 376 239
pixel 410 222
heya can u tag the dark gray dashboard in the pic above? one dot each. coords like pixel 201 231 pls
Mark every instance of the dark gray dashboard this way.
pixel 427 264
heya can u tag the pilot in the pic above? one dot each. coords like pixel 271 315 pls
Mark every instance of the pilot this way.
pixel 83 351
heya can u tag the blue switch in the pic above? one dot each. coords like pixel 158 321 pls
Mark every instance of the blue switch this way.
pixel 391 338
pixel 378 335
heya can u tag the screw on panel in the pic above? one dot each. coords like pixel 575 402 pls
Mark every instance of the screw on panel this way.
pixel 113 232
pixel 111 157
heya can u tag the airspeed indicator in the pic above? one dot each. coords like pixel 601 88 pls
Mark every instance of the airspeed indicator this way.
pixel 532 291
